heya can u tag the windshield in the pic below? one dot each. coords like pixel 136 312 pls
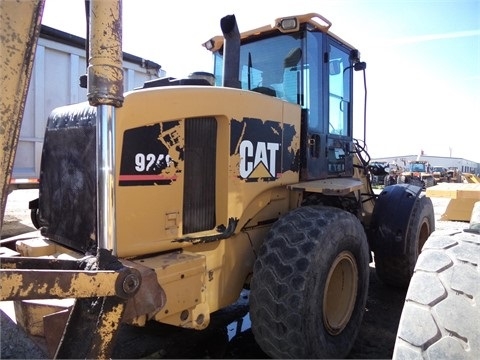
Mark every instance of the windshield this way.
pixel 292 67
pixel 417 167
pixel 270 63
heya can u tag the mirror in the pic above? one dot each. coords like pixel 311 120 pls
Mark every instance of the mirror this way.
pixel 335 66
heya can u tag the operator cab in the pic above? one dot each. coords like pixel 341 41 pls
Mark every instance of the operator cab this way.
pixel 299 61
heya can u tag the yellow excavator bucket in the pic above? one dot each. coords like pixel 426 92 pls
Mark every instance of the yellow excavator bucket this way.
pixel 471 178
pixel 462 198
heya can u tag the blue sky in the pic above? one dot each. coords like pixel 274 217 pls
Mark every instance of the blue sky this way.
pixel 423 58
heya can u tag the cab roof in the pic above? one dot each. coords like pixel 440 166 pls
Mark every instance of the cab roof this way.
pixel 287 24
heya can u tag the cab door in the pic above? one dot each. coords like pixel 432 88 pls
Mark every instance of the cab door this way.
pixel 339 143
pixel 327 109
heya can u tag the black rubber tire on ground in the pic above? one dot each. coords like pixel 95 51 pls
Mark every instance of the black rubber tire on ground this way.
pixel 35 218
pixel 428 182
pixel 310 284
pixel 386 180
pixel 389 180
pixel 397 270
pixel 441 315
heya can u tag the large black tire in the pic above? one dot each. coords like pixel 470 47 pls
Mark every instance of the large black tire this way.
pixel 397 270
pixel 35 213
pixel 386 180
pixel 310 284
pixel 389 180
pixel 428 182
pixel 441 315
pixel 34 217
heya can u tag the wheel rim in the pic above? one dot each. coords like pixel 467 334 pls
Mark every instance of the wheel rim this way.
pixel 423 235
pixel 340 293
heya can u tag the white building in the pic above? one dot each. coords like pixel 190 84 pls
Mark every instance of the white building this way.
pixel 60 61
pixel 462 165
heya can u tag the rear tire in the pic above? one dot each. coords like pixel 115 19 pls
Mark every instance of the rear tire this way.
pixel 310 284
pixel 397 270
pixel 35 218
pixel 441 314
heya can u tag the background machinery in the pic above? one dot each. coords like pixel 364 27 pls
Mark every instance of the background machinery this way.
pixel 163 203
pixel 454 174
pixel 378 172
pixel 440 174
pixel 418 173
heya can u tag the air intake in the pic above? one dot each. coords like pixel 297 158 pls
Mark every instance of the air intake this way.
pixel 200 169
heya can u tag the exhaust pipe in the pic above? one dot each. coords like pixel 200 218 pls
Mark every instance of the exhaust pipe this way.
pixel 231 52
pixel 105 91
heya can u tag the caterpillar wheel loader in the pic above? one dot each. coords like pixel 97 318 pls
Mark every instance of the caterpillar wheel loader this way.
pixel 162 204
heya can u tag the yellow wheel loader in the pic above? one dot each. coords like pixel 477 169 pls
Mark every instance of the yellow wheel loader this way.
pixel 162 204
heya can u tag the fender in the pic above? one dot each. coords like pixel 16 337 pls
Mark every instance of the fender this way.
pixel 391 217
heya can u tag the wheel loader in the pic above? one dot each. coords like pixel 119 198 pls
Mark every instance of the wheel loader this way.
pixel 162 204
pixel 417 172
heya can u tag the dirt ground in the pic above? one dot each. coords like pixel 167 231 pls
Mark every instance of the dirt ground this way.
pixel 229 335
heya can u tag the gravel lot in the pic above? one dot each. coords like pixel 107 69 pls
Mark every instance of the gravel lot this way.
pixel 230 336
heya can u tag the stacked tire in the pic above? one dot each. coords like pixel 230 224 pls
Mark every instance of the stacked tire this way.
pixel 441 315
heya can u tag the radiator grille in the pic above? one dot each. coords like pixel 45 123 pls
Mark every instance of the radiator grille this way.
pixel 200 168
pixel 67 190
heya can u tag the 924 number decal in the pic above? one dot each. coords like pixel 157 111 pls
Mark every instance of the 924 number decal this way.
pixel 146 158
pixel 147 162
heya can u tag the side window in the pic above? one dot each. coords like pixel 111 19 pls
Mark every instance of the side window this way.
pixel 339 91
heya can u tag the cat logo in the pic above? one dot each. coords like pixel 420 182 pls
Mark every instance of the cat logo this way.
pixel 263 149
pixel 258 160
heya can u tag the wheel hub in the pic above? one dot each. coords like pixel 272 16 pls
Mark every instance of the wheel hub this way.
pixel 340 293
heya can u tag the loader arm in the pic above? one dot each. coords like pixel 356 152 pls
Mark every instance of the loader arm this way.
pixel 94 319
pixel 19 30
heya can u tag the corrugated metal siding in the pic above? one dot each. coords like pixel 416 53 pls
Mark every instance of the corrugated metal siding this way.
pixel 59 63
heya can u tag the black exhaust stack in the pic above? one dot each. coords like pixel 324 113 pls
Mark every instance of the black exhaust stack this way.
pixel 231 52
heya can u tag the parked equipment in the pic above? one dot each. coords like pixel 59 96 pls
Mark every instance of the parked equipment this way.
pixel 462 199
pixel 163 203
pixel 378 171
pixel 454 174
pixel 440 174
pixel 418 173
pixel 470 178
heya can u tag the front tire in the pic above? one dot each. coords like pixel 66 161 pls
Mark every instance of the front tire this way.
pixel 310 284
